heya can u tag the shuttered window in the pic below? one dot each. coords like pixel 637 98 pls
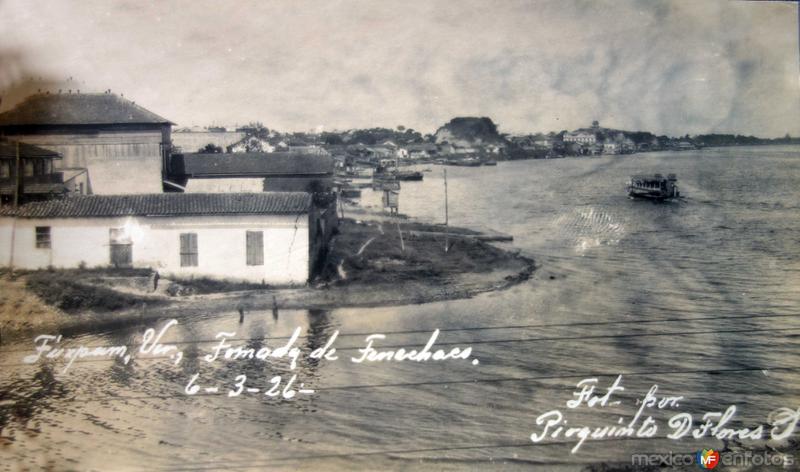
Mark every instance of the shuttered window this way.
pixel 255 248
pixel 43 237
pixel 188 249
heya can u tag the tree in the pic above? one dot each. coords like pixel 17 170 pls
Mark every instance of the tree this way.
pixel 210 148
pixel 332 138
pixel 255 128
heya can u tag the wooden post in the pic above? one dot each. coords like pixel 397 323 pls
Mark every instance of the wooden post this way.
pixel 18 171
pixel 402 243
pixel 446 216
pixel 17 190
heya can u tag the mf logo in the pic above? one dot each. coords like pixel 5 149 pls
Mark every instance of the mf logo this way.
pixel 707 458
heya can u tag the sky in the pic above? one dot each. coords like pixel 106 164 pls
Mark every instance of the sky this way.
pixel 670 67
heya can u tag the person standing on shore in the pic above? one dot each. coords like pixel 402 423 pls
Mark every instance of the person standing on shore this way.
pixel 240 309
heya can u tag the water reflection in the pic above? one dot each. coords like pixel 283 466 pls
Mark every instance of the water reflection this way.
pixel 320 330
pixel 24 400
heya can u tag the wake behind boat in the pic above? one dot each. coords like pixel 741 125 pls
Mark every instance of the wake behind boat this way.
pixel 653 187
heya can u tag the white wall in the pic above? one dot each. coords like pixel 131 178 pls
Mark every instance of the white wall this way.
pixel 156 244
pixel 119 162
pixel 226 185
pixel 193 141
pixel 6 224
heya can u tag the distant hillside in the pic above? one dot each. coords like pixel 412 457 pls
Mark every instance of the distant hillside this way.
pixel 467 131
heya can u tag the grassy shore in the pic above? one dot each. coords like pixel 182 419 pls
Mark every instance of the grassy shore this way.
pixel 370 263
pixel 384 252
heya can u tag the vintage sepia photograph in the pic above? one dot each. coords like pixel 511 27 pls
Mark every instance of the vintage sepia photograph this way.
pixel 352 235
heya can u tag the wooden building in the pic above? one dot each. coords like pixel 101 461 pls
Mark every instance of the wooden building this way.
pixel 27 173
pixel 116 145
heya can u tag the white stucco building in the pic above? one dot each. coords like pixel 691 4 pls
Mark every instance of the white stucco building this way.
pixel 267 237
pixel 580 137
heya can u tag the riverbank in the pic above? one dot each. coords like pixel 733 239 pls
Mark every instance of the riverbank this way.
pixel 371 263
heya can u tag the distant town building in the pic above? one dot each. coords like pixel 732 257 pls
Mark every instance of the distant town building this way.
pixel 580 137
pixel 122 147
pixel 250 144
pixel 543 141
pixel 311 149
pixel 274 238
pixel 421 151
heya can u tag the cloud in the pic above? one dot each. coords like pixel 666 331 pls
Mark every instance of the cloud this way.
pixel 670 67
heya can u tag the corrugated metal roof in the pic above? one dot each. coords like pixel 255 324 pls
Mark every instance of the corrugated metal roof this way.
pixel 165 204
pixel 78 109
pixel 8 150
pixel 251 163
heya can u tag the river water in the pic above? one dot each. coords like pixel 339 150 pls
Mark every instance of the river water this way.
pixel 699 296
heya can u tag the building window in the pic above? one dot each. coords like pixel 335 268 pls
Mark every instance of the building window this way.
pixel 43 237
pixel 188 249
pixel 255 248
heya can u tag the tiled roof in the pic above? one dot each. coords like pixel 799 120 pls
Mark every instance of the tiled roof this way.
pixel 252 163
pixel 78 109
pixel 8 150
pixel 165 204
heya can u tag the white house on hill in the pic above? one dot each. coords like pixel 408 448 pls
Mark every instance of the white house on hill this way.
pixel 580 137
pixel 267 237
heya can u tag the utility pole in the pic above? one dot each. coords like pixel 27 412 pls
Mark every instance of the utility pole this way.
pixel 17 191
pixel 446 216
pixel 17 177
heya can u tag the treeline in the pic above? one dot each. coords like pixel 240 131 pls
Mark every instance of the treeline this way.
pixel 740 140
pixel 372 136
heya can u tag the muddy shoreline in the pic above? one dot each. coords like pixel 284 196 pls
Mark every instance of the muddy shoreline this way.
pixel 384 273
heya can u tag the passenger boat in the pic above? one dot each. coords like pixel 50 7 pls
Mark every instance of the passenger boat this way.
pixel 653 187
